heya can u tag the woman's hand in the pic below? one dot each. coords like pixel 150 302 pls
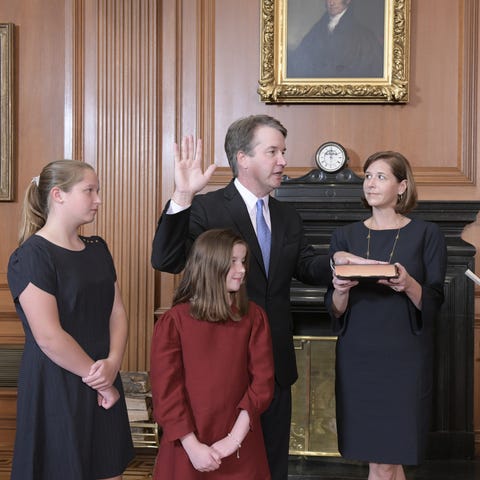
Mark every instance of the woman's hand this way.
pixel 343 286
pixel 400 283
pixel 341 294
pixel 405 283
pixel 107 397
pixel 102 374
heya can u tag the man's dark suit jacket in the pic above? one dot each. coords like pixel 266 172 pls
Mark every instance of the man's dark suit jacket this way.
pixel 291 256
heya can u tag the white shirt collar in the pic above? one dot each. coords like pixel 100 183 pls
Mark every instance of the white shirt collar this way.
pixel 333 22
pixel 251 200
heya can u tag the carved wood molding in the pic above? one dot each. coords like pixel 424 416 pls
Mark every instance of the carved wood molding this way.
pixel 114 127
pixel 74 79
pixel 178 65
pixel 469 89
pixel 464 174
pixel 205 36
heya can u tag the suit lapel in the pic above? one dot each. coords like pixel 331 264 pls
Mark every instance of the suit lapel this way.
pixel 278 222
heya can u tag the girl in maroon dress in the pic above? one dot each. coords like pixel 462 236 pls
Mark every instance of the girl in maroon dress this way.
pixel 212 369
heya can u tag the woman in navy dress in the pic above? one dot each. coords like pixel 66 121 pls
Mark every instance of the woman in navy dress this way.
pixel 72 421
pixel 385 328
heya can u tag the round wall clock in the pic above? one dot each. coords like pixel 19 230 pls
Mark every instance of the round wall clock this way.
pixel 331 157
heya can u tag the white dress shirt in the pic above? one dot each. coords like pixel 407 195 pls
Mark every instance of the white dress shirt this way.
pixel 250 201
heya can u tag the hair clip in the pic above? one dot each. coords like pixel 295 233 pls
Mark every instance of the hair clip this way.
pixel 36 180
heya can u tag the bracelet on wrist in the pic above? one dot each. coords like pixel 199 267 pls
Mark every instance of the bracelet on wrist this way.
pixel 239 445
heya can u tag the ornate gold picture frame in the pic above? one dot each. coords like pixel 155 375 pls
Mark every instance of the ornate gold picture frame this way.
pixel 373 69
pixel 6 112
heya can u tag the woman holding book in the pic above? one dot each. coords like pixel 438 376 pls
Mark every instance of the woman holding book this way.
pixel 385 326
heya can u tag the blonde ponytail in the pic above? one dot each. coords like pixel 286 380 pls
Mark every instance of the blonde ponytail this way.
pixel 62 174
pixel 33 218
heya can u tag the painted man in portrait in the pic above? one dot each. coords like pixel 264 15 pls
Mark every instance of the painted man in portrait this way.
pixel 337 46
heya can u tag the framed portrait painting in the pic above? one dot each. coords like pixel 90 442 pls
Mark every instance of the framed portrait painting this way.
pixel 6 112
pixel 334 51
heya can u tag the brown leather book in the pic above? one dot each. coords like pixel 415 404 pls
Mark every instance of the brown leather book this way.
pixel 372 271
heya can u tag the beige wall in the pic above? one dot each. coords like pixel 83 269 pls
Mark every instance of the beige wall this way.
pixel 115 82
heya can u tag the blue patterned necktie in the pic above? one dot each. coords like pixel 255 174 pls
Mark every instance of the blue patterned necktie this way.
pixel 263 234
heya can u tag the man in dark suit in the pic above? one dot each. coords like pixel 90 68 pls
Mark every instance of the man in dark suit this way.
pixel 337 46
pixel 255 148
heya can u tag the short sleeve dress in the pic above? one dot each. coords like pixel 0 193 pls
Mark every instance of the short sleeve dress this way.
pixel 384 355
pixel 202 374
pixel 62 433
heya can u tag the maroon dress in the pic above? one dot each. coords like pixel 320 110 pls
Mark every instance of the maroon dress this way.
pixel 202 374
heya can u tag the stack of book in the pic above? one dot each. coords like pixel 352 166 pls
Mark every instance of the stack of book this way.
pixel 145 432
pixel 137 395
pixel 138 406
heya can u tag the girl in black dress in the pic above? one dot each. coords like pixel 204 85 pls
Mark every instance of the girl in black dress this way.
pixel 385 327
pixel 72 420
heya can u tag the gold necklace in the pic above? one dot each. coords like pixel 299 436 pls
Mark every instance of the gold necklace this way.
pixel 393 248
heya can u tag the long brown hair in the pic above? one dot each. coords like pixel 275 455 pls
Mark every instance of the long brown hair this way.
pixel 63 174
pixel 204 279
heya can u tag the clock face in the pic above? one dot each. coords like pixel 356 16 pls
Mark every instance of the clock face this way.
pixel 331 157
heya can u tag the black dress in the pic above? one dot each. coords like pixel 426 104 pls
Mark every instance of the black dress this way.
pixel 385 347
pixel 62 433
